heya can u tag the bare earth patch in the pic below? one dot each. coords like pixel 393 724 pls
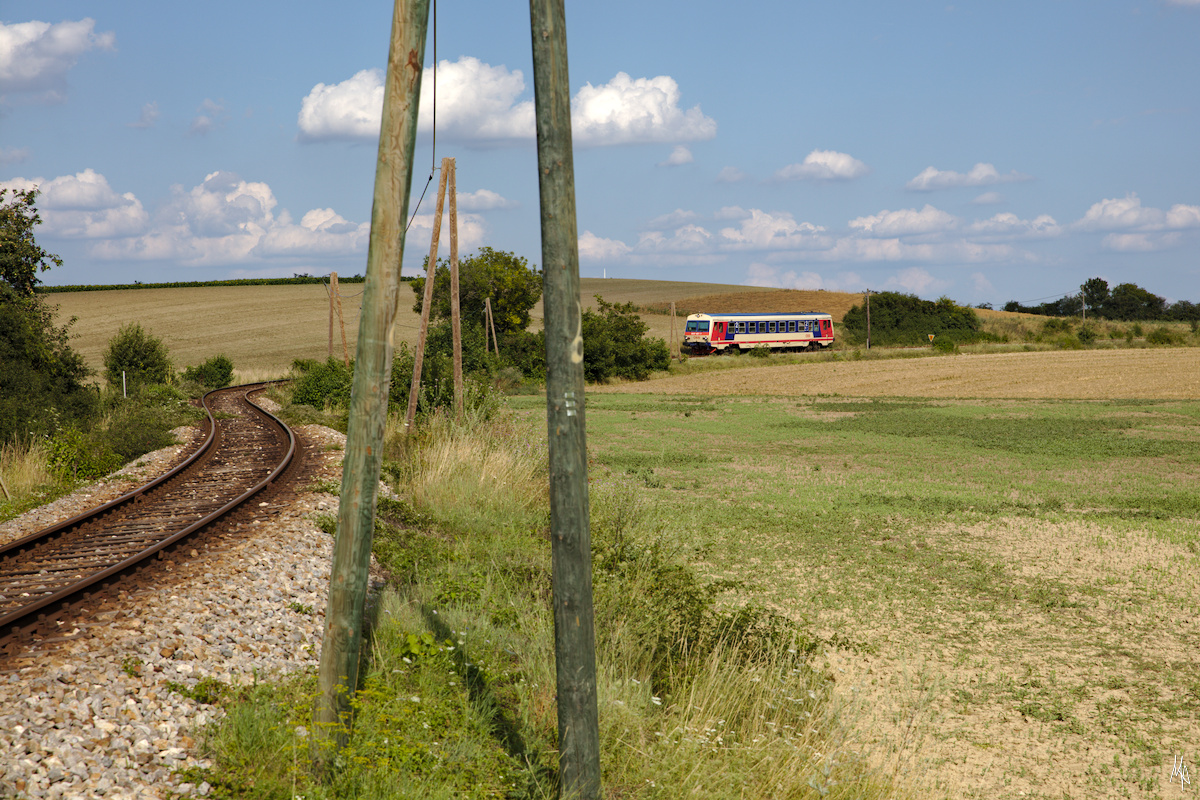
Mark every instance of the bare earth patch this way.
pixel 1149 374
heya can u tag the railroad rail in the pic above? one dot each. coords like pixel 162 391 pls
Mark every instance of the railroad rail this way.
pixel 51 574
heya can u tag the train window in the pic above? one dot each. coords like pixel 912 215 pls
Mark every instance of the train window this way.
pixel 770 327
pixel 806 325
pixel 739 327
pixel 696 326
pixel 791 326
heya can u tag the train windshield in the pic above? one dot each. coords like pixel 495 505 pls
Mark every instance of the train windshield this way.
pixel 696 326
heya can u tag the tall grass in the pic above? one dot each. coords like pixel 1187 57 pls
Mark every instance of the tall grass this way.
pixel 24 468
pixel 699 695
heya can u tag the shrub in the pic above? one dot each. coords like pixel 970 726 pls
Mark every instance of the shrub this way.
pixel 215 373
pixel 137 355
pixel 944 344
pixel 760 351
pixel 905 319
pixel 1164 336
pixel 78 455
pixel 615 344
pixel 1087 335
pixel 322 382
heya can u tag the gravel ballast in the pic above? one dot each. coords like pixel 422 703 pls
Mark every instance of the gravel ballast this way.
pixel 94 717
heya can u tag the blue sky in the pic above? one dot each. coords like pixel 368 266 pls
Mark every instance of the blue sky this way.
pixel 982 150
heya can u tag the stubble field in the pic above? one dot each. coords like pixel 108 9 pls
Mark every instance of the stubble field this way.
pixel 1000 552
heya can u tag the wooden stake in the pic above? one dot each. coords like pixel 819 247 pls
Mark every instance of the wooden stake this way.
pixel 455 318
pixel 430 273
pixel 7 496
pixel 332 292
pixel 570 532
pixel 342 643
pixel 337 298
pixel 491 323
pixel 674 344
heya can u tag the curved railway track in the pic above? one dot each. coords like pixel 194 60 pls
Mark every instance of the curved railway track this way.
pixel 50 575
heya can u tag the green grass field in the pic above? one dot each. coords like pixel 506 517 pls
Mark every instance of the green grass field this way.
pixel 1013 585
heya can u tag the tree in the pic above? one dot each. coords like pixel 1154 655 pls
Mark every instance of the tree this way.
pixel 1132 302
pixel 506 278
pixel 1095 294
pixel 20 255
pixel 137 357
pixel 905 319
pixel 41 378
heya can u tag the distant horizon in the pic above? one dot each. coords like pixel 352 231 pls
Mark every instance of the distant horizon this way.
pixel 984 152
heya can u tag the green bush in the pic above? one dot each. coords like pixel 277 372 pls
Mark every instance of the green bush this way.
pixel 905 319
pixel 137 356
pixel 1087 335
pixel 215 373
pixel 1164 336
pixel 75 455
pixel 615 344
pixel 760 351
pixel 322 382
pixel 944 344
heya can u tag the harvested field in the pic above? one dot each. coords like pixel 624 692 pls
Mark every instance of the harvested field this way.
pixel 1149 374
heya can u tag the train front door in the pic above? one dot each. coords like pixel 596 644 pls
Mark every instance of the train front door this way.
pixel 719 331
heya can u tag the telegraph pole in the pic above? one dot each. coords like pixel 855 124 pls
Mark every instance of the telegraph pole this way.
pixel 570 534
pixel 340 650
pixel 430 274
pixel 868 319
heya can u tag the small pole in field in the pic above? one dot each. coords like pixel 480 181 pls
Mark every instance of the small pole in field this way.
pixel 674 344
pixel 332 283
pixel 7 496
pixel 430 274
pixel 124 393
pixel 337 299
pixel 455 318
pixel 491 322
pixel 869 319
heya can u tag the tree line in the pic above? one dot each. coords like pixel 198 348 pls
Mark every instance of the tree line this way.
pixel 1125 301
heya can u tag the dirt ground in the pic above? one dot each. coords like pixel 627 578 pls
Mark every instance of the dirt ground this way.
pixel 1150 374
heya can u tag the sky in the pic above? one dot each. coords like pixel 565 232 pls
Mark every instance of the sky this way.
pixel 984 151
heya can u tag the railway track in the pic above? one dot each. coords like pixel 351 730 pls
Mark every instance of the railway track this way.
pixel 50 577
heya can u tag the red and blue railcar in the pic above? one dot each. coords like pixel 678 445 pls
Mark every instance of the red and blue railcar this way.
pixel 720 333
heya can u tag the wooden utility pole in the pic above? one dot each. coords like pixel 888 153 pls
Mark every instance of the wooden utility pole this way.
pixel 332 290
pixel 674 344
pixel 337 298
pixel 570 534
pixel 491 323
pixel 455 314
pixel 430 273
pixel 868 319
pixel 340 650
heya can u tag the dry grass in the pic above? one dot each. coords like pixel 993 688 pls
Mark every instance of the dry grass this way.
pixel 1166 373
pixel 23 467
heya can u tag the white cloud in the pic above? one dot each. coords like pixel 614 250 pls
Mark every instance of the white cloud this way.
pixel 36 56
pixel 13 155
pixel 824 165
pixel 684 239
pixel 211 114
pixel 472 233
pixel 627 111
pixel 981 174
pixel 1135 228
pixel 905 222
pixel 483 200
pixel 594 249
pixel 759 274
pixel 679 155
pixel 674 219
pixel 84 206
pixel 1009 226
pixel 731 175
pixel 148 118
pixel 762 230
pixel 480 103
pixel 981 285
pixel 915 280
pixel 988 198
pixel 351 109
